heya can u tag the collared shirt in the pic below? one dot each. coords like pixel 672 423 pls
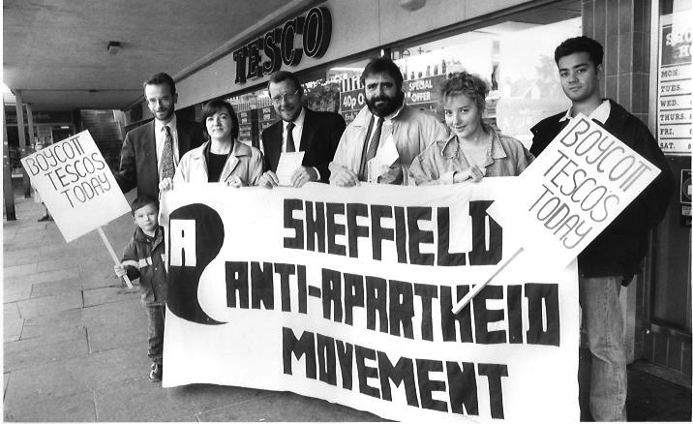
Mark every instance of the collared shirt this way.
pixel 600 114
pixel 387 127
pixel 296 132
pixel 437 164
pixel 412 131
pixel 160 134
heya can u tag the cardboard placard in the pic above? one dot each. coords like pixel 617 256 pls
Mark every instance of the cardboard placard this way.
pixel 76 185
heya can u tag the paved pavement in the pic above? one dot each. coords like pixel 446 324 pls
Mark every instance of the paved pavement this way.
pixel 75 346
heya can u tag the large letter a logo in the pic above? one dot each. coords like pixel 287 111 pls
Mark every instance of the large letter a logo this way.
pixel 195 238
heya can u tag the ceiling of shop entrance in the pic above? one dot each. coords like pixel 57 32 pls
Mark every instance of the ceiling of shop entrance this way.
pixel 55 51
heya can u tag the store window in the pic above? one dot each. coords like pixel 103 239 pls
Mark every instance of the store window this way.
pixel 514 57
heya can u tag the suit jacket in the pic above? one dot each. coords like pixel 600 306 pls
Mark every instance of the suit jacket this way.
pixel 138 162
pixel 319 139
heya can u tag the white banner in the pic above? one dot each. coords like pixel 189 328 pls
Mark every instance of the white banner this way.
pixel 573 191
pixel 76 185
pixel 346 295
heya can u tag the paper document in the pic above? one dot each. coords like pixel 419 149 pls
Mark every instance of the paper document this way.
pixel 387 155
pixel 288 163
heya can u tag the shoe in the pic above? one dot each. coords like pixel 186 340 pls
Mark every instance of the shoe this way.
pixel 156 372
pixel 45 218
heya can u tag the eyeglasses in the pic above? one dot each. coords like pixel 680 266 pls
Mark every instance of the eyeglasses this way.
pixel 289 97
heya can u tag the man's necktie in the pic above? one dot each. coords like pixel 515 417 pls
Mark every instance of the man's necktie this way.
pixel 290 137
pixel 372 149
pixel 167 166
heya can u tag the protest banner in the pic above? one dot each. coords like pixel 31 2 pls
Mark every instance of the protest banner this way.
pixel 345 294
pixel 77 187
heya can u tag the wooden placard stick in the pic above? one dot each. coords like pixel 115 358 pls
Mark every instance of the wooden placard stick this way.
pixel 113 254
pixel 473 292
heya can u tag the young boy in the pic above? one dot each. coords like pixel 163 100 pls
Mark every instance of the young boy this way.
pixel 144 258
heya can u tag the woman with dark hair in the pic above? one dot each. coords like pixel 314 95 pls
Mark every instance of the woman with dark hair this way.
pixel 222 158
pixel 474 149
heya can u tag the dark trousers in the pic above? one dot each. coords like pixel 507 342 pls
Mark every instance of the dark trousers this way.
pixel 157 315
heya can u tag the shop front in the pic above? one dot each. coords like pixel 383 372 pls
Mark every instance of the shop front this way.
pixel 510 44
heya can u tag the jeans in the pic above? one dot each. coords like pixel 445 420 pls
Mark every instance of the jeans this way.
pixel 603 321
pixel 156 314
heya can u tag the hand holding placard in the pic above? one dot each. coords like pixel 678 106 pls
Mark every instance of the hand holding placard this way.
pixel 572 192
pixel 77 187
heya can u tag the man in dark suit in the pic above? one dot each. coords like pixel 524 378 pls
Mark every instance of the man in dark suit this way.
pixel 152 151
pixel 300 130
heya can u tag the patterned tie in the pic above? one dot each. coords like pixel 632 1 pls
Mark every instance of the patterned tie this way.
pixel 290 137
pixel 372 149
pixel 167 166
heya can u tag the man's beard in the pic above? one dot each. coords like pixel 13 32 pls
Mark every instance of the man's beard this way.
pixel 391 104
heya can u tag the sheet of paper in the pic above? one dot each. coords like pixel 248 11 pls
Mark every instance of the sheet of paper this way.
pixel 387 155
pixel 288 163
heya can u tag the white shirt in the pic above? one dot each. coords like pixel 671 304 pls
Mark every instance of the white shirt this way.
pixel 159 133
pixel 296 132
pixel 601 113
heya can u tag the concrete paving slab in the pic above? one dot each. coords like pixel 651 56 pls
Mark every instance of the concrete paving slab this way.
pixel 203 397
pixel 74 408
pixel 57 379
pixel 12 328
pixel 32 230
pixel 285 406
pixel 117 335
pixel 61 254
pixel 20 256
pixel 19 270
pixel 110 313
pixel 52 323
pixel 5 380
pixel 102 295
pixel 53 288
pixel 42 277
pixel 140 400
pixel 67 262
pixel 40 350
pixel 16 293
pixel 20 242
pixel 50 304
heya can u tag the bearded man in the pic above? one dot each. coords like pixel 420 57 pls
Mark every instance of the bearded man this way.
pixel 386 123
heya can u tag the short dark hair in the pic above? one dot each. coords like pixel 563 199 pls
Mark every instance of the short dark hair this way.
pixel 468 84
pixel 281 76
pixel 383 65
pixel 160 79
pixel 578 45
pixel 142 201
pixel 217 105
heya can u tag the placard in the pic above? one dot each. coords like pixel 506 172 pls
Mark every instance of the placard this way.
pixel 345 294
pixel 573 191
pixel 76 185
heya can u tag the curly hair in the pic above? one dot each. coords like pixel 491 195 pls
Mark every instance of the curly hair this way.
pixel 468 84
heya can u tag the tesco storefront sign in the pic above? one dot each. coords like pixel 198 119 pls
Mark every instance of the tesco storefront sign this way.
pixel 266 54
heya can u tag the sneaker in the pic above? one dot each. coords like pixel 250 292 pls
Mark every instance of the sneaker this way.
pixel 45 218
pixel 156 372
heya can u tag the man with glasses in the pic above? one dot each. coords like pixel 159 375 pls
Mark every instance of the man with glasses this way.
pixel 151 152
pixel 299 130
pixel 386 132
